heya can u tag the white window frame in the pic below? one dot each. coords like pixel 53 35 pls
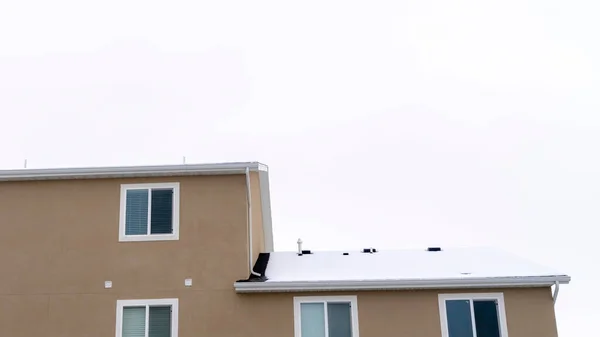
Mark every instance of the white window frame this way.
pixel 499 297
pixel 149 237
pixel 298 300
pixel 173 302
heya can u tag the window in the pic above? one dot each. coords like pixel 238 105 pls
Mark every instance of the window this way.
pixel 473 315
pixel 332 316
pixel 149 212
pixel 147 318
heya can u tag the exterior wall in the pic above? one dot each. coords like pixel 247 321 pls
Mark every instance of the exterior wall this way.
pixel 529 313
pixel 258 237
pixel 59 242
pixel 222 313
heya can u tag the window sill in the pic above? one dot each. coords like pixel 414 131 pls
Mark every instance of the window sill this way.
pixel 157 237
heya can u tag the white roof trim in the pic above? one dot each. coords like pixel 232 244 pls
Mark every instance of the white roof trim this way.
pixel 489 282
pixel 130 171
pixel 265 200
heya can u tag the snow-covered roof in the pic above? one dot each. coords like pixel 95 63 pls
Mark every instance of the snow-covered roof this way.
pixel 401 269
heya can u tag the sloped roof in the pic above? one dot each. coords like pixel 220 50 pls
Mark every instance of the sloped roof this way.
pixel 401 269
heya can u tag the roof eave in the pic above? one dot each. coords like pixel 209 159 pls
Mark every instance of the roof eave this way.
pixel 130 171
pixel 495 282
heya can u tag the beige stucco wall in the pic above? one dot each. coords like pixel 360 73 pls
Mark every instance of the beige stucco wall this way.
pixel 258 237
pixel 530 313
pixel 223 313
pixel 59 243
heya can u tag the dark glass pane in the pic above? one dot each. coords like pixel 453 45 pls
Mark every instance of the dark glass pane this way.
pixel 159 322
pixel 458 313
pixel 136 212
pixel 486 318
pixel 339 319
pixel 161 219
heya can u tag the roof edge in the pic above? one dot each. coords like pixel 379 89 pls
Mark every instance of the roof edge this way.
pixel 130 171
pixel 488 282
pixel 267 219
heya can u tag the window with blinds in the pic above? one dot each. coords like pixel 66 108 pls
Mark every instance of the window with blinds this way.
pixel 332 316
pixel 147 318
pixel 149 212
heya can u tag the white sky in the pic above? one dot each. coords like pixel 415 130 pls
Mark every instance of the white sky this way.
pixel 389 124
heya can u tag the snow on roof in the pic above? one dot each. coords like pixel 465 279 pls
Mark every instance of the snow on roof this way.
pixel 468 267
pixel 400 264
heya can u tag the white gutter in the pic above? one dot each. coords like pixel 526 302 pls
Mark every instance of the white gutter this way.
pixel 129 171
pixel 249 221
pixel 491 282
pixel 556 288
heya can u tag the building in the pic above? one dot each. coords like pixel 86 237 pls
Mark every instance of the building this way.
pixel 187 250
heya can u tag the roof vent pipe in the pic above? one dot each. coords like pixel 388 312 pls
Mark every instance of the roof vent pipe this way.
pixel 299 246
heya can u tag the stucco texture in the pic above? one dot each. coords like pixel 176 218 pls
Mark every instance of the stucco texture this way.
pixel 59 243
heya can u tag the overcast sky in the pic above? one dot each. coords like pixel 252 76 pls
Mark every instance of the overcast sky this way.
pixel 392 124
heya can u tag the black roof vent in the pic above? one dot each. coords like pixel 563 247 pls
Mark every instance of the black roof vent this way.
pixel 345 254
pixel 305 252
pixel 434 249
pixel 369 250
pixel 259 269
